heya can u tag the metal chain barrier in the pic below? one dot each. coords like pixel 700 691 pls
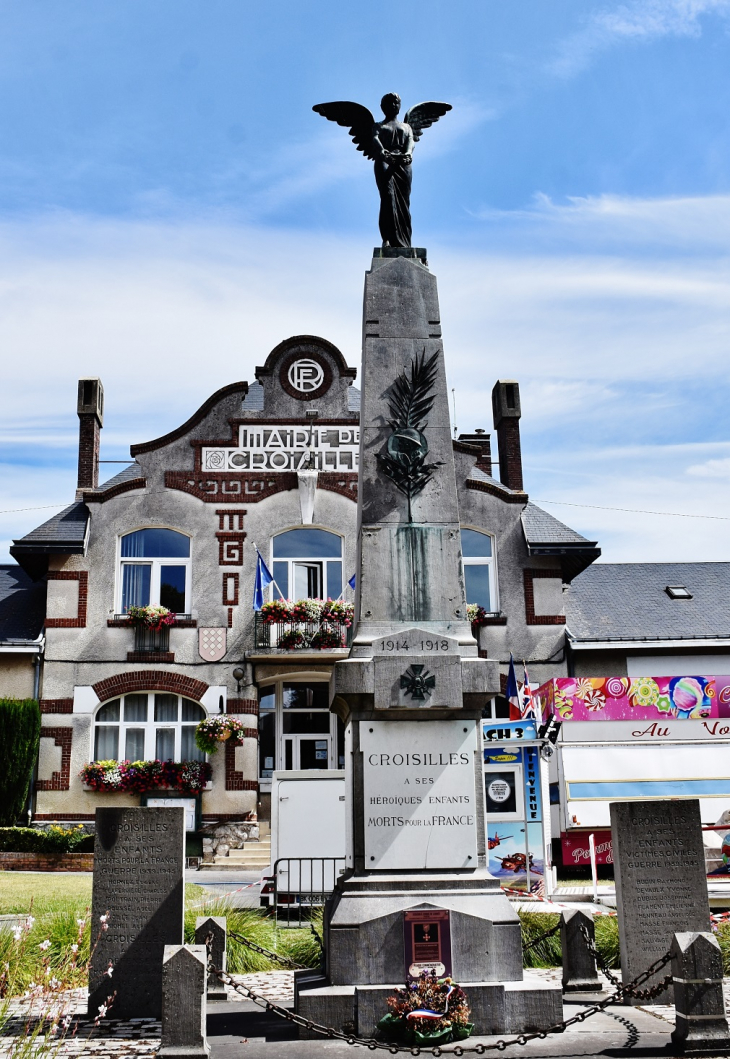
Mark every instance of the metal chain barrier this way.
pixel 602 963
pixel 542 937
pixel 285 961
pixel 631 989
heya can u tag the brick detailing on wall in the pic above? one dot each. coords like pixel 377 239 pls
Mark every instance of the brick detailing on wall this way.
pixel 243 706
pixel 539 619
pixel 230 488
pixel 79 622
pixel 89 441
pixel 510 453
pixel 234 779
pixel 495 619
pixel 231 520
pixel 46 861
pixel 149 680
pixel 56 705
pixel 64 817
pixel 494 489
pixel 151 656
pixel 59 781
pixel 102 495
pixel 344 484
pixel 230 617
pixel 224 818
pixel 230 548
pixel 230 589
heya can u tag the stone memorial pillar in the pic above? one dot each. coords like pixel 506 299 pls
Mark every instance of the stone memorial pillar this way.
pixel 580 974
pixel 700 1007
pixel 139 860
pixel 411 695
pixel 183 1003
pixel 661 886
pixel 215 926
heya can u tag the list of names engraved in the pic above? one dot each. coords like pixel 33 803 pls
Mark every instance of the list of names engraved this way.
pixel 139 858
pixel 661 887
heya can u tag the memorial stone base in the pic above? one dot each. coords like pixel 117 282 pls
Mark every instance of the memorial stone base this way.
pixel 366 961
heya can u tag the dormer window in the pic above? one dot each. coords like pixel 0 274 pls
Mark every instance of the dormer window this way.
pixel 154 570
pixel 677 592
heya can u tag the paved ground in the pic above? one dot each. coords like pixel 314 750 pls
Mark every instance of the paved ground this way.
pixel 239 1029
pixel 240 888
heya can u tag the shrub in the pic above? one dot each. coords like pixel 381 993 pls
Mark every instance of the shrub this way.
pixel 20 729
pixel 54 840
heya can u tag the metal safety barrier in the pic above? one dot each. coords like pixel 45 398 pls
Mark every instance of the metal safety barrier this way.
pixel 302 885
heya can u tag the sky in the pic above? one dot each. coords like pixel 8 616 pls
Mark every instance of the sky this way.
pixel 171 209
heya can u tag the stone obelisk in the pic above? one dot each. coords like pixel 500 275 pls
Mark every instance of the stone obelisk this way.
pixel 411 695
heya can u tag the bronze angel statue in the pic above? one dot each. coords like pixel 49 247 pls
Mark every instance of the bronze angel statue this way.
pixel 389 144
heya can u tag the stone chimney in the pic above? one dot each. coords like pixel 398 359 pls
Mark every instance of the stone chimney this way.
pixel 90 409
pixel 506 409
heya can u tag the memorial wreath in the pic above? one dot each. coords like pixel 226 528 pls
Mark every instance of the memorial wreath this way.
pixel 428 1011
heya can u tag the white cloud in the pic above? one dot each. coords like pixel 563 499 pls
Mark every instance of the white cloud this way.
pixel 639 20
pixel 605 346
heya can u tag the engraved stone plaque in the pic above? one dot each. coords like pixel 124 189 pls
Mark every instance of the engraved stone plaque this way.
pixel 139 859
pixel 661 887
pixel 419 798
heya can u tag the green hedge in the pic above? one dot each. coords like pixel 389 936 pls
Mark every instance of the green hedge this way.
pixel 20 729
pixel 54 840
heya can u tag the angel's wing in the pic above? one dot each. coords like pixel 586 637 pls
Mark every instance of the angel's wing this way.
pixel 359 119
pixel 423 115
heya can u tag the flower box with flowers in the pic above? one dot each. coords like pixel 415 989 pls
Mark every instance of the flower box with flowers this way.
pixel 210 733
pixel 139 777
pixel 153 618
pixel 305 623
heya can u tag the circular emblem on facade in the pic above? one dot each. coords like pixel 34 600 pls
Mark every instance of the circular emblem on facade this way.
pixel 305 375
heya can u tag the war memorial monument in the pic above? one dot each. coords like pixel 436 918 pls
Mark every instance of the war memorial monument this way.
pixel 412 691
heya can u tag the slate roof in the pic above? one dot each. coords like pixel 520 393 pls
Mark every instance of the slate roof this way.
pixel 254 399
pixel 22 606
pixel 132 471
pixel 628 601
pixel 353 399
pixel 546 535
pixel 476 474
pixel 542 528
pixel 64 534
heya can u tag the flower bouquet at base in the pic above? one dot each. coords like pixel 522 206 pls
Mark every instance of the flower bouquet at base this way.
pixel 213 731
pixel 429 1011
pixel 153 618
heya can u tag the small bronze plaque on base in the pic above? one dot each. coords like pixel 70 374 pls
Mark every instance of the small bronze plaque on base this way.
pixel 427 935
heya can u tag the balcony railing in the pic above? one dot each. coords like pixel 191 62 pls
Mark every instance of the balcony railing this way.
pixel 329 635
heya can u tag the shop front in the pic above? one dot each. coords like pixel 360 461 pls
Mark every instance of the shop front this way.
pixel 516 797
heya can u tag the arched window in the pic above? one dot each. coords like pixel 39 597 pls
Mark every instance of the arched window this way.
pixel 307 564
pixel 146 726
pixel 154 570
pixel 478 551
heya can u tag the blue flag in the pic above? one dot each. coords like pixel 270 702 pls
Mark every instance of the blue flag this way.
pixel 263 579
pixel 511 692
pixel 352 582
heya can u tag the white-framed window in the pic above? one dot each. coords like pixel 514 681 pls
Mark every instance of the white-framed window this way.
pixel 296 728
pixel 479 574
pixel 145 726
pixel 154 570
pixel 307 564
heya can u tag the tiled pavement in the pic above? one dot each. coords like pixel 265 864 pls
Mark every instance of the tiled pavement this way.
pixel 239 1029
